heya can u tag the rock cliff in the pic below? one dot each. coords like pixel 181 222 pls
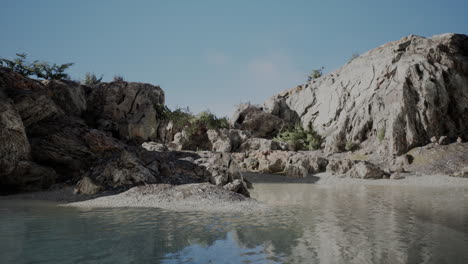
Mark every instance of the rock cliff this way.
pixel 61 132
pixel 390 99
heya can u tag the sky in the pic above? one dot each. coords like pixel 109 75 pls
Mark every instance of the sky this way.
pixel 215 54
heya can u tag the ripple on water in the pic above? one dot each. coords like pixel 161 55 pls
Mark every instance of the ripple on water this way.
pixel 310 224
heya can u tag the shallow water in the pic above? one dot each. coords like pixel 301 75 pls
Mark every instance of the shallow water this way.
pixel 310 224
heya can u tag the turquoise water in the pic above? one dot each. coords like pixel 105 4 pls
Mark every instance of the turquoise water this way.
pixel 311 224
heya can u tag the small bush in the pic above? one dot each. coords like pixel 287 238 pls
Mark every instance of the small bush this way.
pixel 18 64
pixel 300 138
pixel 180 117
pixel 91 79
pixel 351 146
pixel 36 68
pixel 381 134
pixel 118 78
pixel 183 119
pixel 211 121
pixel 316 73
pixel 51 72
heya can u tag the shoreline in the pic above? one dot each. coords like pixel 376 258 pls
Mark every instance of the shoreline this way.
pixel 210 198
pixel 327 179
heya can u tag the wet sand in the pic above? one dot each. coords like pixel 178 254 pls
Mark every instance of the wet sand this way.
pixel 207 198
pixel 324 179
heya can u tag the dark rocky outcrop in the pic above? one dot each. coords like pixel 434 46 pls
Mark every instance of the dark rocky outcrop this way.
pixel 63 132
pixel 256 121
pixel 127 110
pixel 70 96
pixel 17 170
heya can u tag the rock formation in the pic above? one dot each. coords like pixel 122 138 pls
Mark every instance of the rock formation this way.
pixel 128 110
pixel 404 92
pixel 408 95
pixel 256 121
pixel 63 132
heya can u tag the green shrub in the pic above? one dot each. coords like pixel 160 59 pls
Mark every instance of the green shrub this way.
pixel 381 134
pixel 51 72
pixel 36 68
pixel 180 117
pixel 351 146
pixel 183 119
pixel 162 111
pixel 300 138
pixel 91 79
pixel 18 64
pixel 204 121
pixel 211 121
pixel 316 73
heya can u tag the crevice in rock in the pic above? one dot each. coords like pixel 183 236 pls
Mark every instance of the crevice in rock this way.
pixel 134 99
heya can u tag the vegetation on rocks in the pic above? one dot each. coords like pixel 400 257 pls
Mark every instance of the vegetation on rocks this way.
pixel 184 119
pixel 300 138
pixel 118 78
pixel 314 74
pixel 381 134
pixel 91 79
pixel 351 146
pixel 40 69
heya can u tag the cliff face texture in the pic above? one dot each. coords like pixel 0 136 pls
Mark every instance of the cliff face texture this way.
pixel 61 132
pixel 392 98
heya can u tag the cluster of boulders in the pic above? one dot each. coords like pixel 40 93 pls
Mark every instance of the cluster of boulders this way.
pixel 62 132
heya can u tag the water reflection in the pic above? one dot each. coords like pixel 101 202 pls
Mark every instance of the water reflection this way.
pixel 312 224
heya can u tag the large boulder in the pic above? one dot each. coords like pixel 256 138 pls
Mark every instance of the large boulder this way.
pixel 227 140
pixel 272 162
pixel 121 171
pixel 365 170
pixel 396 96
pixel 339 166
pixel 166 131
pixel 191 139
pixel 258 122
pixel 62 143
pixel 68 95
pixel 30 176
pixel 126 109
pixel 224 171
pixel 263 144
pixel 295 170
pixel 14 145
pixel 31 99
pixel 87 186
pixel 18 172
pixel 438 159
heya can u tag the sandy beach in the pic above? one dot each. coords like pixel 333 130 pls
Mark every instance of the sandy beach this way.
pixel 206 197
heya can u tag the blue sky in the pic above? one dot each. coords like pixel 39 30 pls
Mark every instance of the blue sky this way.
pixel 210 54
